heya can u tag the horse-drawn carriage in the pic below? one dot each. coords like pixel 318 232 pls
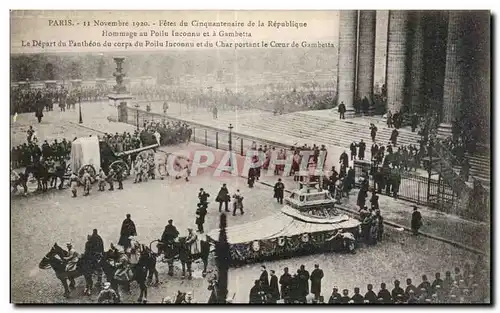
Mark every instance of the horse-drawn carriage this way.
pixel 90 154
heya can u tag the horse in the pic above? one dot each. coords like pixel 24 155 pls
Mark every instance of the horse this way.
pixel 139 273
pixel 55 259
pixel 40 173
pixel 180 250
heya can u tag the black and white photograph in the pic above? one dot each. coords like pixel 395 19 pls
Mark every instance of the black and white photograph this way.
pixel 250 157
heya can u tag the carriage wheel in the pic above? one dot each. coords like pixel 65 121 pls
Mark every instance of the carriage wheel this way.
pixel 91 170
pixel 120 165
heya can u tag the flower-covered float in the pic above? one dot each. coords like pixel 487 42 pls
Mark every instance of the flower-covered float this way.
pixel 308 223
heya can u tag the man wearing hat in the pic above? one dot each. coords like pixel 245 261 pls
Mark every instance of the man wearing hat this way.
pixel 279 189
pixel 108 295
pixel 71 258
pixel 335 297
pixel 203 196
pixel 170 233
pixel 223 197
pixel 128 229
pixel 201 212
pixel 416 220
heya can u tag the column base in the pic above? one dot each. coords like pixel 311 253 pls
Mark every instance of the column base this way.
pixel 444 130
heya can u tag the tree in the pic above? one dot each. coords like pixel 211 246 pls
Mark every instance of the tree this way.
pixel 222 259
pixel 75 71
pixel 49 71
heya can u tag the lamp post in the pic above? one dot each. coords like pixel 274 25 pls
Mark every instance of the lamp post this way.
pixel 137 115
pixel 230 142
pixel 80 120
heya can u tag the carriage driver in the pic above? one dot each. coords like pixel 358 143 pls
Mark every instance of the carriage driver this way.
pixel 71 259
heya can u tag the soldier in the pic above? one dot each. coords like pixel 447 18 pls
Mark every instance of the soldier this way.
pixel 109 179
pixel 86 183
pixel 73 180
pixel 102 180
pixel 119 178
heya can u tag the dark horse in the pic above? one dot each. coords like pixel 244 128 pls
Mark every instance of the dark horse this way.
pixel 40 173
pixel 55 259
pixel 180 250
pixel 139 272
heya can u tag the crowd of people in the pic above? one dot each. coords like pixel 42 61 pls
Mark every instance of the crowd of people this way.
pixel 24 100
pixel 467 285
pixel 279 100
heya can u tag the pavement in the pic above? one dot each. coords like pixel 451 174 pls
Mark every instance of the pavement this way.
pixel 39 221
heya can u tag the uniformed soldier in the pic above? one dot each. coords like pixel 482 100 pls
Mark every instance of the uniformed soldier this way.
pixel 110 177
pixel 73 180
pixel 86 183
pixel 102 180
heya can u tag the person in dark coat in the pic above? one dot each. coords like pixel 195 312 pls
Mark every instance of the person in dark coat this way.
pixel 416 220
pixel 223 197
pixel 170 233
pixel 254 293
pixel 345 297
pixel 425 284
pixel 273 287
pixel 279 189
pixel 342 110
pixel 285 282
pixel 384 294
pixel 201 212
pixel 352 148
pixel 394 137
pixel 374 201
pixel 410 287
pixel 316 276
pixel 373 131
pixel 96 243
pixel 370 294
pixel 344 159
pixel 335 297
pixel 128 229
pixel 437 282
pixel 303 276
pixel 357 298
pixel 361 151
pixel 397 290
pixel 203 196
pixel 264 277
pixel 414 122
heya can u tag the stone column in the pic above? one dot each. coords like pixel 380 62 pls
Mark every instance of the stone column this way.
pixel 454 73
pixel 366 55
pixel 348 29
pixel 417 62
pixel 397 45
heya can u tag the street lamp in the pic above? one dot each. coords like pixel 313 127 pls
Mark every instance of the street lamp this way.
pixel 230 141
pixel 137 115
pixel 80 120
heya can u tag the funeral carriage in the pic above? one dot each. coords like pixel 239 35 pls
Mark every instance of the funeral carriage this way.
pixel 91 154
pixel 308 223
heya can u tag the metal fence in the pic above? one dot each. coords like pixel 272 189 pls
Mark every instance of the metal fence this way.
pixel 203 134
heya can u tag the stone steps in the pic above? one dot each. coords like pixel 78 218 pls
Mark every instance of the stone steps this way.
pixel 341 133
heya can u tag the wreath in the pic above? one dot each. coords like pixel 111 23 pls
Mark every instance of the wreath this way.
pixel 281 241
pixel 305 238
pixel 255 246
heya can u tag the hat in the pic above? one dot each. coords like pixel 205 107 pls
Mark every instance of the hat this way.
pixel 107 285
pixel 69 243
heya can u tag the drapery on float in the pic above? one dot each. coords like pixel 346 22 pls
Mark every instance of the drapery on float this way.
pixel 308 223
